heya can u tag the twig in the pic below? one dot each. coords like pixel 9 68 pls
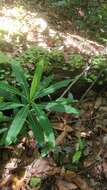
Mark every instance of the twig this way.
pixel 70 122
pixel 90 87
pixel 74 81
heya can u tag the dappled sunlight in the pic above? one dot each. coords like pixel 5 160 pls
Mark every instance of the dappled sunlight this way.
pixel 24 28
pixel 16 23
pixel 11 21
pixel 83 45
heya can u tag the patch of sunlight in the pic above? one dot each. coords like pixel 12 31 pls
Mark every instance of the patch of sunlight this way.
pixel 17 23
pixel 20 21
pixel 11 26
pixel 15 12
pixel 82 45
pixel 52 32
pixel 41 23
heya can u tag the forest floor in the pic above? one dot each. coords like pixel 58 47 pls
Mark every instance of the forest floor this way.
pixel 80 159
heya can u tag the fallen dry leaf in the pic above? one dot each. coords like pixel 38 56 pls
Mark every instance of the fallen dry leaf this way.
pixel 77 180
pixel 5 181
pixel 65 185
pixel 61 127
pixel 88 105
pixel 17 183
pixel 43 167
pixel 81 183
pixel 14 181
pixel 61 137
pixel 89 161
pixel 65 130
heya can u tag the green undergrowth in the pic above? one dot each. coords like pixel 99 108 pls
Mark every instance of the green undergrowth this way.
pixel 25 102
pixel 57 64
pixel 85 15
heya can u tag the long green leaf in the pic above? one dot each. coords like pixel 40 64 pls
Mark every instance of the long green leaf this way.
pixel 53 88
pixel 76 157
pixel 59 107
pixel 36 78
pixel 9 88
pixel 61 101
pixel 45 125
pixel 3 130
pixel 9 105
pixel 16 125
pixel 20 77
pixel 45 83
pixel 5 95
pixel 37 131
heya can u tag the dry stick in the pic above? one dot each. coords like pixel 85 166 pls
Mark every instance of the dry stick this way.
pixel 90 87
pixel 72 83
pixel 70 122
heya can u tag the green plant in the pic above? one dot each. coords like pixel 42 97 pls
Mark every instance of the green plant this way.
pixel 34 54
pixel 80 146
pixel 64 3
pixel 56 57
pixel 99 62
pixel 3 58
pixel 98 66
pixel 25 104
pixel 35 182
pixel 76 61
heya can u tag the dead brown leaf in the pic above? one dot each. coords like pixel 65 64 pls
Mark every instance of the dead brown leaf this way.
pixel 5 181
pixel 14 181
pixel 43 167
pixel 65 130
pixel 77 180
pixel 61 137
pixel 89 161
pixel 88 105
pixel 17 183
pixel 64 185
pixel 61 127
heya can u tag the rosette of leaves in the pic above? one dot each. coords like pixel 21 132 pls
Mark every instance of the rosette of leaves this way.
pixel 24 101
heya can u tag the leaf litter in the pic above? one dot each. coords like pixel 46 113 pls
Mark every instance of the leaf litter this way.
pixel 88 174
